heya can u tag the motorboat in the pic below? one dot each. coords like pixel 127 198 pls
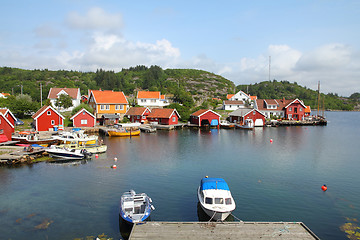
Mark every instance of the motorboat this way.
pixel 226 124
pixel 65 153
pixel 78 136
pixel 135 207
pixel 123 132
pixel 247 125
pixel 29 137
pixel 91 148
pixel 215 198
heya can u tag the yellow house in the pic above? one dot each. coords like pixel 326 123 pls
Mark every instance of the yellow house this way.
pixel 108 102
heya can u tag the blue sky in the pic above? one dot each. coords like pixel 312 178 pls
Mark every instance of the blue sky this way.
pixel 308 41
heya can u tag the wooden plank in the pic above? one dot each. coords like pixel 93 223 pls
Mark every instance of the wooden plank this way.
pixel 228 230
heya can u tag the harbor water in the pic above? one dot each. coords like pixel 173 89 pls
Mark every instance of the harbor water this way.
pixel 278 180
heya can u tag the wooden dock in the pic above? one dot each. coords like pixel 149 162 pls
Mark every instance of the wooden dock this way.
pixel 221 230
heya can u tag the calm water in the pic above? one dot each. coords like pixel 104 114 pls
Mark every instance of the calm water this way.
pixel 279 181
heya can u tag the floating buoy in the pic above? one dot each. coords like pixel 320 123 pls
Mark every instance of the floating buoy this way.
pixel 96 156
pixel 324 187
pixel 115 159
pixel 113 166
pixel 271 140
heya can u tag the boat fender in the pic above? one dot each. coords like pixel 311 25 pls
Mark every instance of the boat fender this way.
pixel 115 159
pixel 152 207
pixel 324 187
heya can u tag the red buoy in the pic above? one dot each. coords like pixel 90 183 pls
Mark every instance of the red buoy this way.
pixel 324 187
pixel 113 166
pixel 271 140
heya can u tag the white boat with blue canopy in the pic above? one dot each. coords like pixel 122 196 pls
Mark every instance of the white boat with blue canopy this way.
pixel 135 207
pixel 215 198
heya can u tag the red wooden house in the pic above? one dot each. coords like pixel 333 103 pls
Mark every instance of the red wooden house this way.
pixel 8 114
pixel 164 116
pixel 205 117
pixel 83 118
pixel 138 114
pixel 47 118
pixel 240 115
pixel 6 127
pixel 295 110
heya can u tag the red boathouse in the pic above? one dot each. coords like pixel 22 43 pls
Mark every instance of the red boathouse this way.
pixel 46 118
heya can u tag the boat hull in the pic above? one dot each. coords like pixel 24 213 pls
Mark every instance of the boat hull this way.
pixel 135 208
pixel 66 156
pixel 214 215
pixel 123 134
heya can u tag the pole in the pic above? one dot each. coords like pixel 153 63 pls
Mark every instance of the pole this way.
pixel 269 66
pixel 318 98
pixel 41 94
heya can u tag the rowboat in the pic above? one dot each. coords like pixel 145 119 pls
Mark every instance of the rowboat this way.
pixel 122 132
pixel 28 137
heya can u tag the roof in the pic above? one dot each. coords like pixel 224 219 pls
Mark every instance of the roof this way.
pixel 149 94
pixel 80 111
pixel 7 120
pixel 308 109
pixel 136 111
pixel 72 92
pixel 241 112
pixel 213 183
pixel 108 97
pixel 229 102
pixel 229 96
pixel 111 116
pixel 4 111
pixel 253 98
pixel 292 101
pixel 43 109
pixel 203 111
pixel 162 113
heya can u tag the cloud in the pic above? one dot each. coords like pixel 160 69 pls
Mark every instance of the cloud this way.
pixel 95 19
pixel 47 31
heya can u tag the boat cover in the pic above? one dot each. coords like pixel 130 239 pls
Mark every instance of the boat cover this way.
pixel 213 183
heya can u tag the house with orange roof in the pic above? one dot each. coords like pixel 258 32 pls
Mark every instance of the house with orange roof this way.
pixel 151 99
pixel 236 101
pixel 48 119
pixel 4 95
pixel 205 117
pixel 7 127
pixel 74 93
pixel 163 116
pixel 228 96
pixel 108 102
pixel 138 114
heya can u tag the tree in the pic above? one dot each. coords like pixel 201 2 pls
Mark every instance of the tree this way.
pixel 81 106
pixel 64 101
pixel 21 106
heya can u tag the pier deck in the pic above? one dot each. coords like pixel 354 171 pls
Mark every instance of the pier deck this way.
pixel 226 230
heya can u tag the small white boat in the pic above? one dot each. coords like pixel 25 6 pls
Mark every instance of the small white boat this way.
pixel 91 148
pixel 226 124
pixel 135 207
pixel 65 153
pixel 215 198
pixel 248 125
pixel 78 136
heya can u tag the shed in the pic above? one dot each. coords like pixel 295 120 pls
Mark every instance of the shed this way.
pixel 241 114
pixel 48 119
pixel 138 114
pixel 6 127
pixel 205 117
pixel 83 118
pixel 109 119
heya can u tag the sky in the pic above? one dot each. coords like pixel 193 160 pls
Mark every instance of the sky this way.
pixel 246 42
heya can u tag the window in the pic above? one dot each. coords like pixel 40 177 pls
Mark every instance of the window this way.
pixel 227 201
pixel 219 201
pixel 52 122
pixel 83 121
pixel 117 107
pixel 83 113
pixel 208 200
pixel 254 112
pixel 300 109
pixel 138 117
pixel 143 100
pixel 290 109
pixel 48 112
pixel 289 116
pixel 173 119
pixel 102 107
pixel 107 107
pixel 153 100
pixel 143 117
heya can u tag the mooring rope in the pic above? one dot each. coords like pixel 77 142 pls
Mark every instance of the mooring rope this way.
pixel 237 218
pixel 212 216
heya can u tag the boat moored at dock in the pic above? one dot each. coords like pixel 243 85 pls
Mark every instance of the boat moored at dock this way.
pixel 135 207
pixel 122 132
pixel 215 198
pixel 68 154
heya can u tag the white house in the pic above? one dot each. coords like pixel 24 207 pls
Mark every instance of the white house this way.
pixel 236 101
pixel 74 93
pixel 151 99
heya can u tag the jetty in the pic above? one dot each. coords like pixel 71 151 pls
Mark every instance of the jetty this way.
pixel 221 230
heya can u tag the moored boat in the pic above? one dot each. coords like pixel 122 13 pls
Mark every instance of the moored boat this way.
pixel 91 148
pixel 78 136
pixel 135 207
pixel 215 198
pixel 247 125
pixel 64 153
pixel 28 137
pixel 122 132
pixel 226 124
